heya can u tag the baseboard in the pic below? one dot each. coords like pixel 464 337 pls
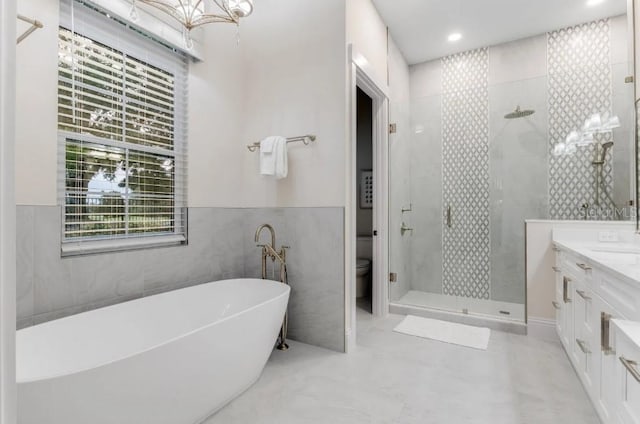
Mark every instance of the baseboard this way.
pixel 542 328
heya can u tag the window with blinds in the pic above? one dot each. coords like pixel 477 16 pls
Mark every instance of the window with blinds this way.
pixel 122 136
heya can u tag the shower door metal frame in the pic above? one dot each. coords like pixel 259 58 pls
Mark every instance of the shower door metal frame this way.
pixel 361 74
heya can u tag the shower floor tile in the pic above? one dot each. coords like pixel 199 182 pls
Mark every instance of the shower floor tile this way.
pixel 394 379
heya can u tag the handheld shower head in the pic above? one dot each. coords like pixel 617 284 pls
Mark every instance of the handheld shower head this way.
pixel 600 158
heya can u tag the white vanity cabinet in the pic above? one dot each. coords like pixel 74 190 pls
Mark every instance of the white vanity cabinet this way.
pixel 588 298
pixel 627 376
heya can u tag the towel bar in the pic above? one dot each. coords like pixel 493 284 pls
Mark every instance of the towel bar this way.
pixel 35 24
pixel 306 139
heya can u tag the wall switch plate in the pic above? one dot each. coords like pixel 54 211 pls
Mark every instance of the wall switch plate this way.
pixel 608 236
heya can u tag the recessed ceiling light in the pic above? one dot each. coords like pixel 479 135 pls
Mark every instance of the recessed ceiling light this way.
pixel 456 36
pixel 592 3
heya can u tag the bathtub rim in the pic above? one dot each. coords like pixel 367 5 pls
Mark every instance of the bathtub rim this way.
pixel 286 292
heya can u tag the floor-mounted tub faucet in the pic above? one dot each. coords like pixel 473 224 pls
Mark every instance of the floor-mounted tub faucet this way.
pixel 269 251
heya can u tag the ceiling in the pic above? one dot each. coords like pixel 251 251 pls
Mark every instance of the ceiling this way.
pixel 421 27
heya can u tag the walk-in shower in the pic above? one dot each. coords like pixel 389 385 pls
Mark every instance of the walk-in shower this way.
pixel 481 160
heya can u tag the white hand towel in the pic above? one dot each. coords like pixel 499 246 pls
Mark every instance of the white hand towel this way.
pixel 266 145
pixel 268 156
pixel 282 160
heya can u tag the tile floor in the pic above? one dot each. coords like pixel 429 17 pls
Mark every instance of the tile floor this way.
pixel 398 379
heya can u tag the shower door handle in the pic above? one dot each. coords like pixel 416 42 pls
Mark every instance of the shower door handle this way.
pixel 449 217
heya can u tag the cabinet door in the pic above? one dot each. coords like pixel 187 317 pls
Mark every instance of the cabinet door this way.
pixel 627 388
pixel 608 360
pixel 585 349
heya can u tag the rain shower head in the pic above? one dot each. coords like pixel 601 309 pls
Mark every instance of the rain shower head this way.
pixel 519 113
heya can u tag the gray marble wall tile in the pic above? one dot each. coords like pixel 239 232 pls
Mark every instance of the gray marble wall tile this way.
pixel 24 261
pixel 400 198
pixel 166 268
pixel 316 275
pixel 426 194
pixel 221 246
pixel 253 218
pixel 58 314
pixel 315 263
pixel 54 289
pixel 623 137
pixel 518 157
pixel 227 242
pixel 117 276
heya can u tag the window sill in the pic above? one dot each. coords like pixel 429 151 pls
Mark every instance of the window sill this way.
pixel 80 248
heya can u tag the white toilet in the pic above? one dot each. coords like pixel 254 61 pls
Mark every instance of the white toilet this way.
pixel 363 268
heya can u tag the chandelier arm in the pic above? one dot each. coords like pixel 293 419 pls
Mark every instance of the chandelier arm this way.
pixel 164 7
pixel 188 19
pixel 211 19
pixel 224 5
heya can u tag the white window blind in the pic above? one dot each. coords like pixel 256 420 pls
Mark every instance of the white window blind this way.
pixel 122 125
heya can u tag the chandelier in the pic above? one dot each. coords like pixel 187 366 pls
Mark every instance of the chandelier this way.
pixel 194 13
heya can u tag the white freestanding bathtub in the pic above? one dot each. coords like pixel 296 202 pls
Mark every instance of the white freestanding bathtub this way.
pixel 173 358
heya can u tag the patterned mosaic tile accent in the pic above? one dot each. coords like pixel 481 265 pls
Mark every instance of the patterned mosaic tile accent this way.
pixel 465 147
pixel 580 84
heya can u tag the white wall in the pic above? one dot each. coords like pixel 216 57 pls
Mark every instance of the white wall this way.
pixel 294 78
pixel 368 33
pixel 7 213
pixel 36 106
pixel 285 77
pixel 215 107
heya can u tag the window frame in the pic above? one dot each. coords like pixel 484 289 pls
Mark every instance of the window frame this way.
pixel 86 21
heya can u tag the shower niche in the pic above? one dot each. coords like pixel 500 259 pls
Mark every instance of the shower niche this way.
pixel 540 128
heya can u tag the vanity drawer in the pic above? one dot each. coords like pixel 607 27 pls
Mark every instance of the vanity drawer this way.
pixel 577 268
pixel 622 296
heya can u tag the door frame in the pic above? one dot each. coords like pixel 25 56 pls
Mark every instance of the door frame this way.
pixel 361 74
pixel 7 212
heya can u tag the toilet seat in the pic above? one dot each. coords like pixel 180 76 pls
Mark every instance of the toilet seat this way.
pixel 363 263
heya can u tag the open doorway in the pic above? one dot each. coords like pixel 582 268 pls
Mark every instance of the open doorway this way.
pixel 370 92
pixel 365 201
